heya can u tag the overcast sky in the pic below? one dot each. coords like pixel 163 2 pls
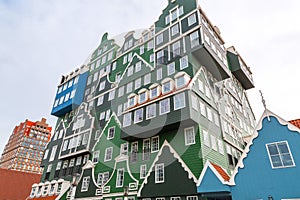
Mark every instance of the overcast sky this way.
pixel 40 40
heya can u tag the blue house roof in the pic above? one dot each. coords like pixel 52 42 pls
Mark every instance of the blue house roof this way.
pixel 269 165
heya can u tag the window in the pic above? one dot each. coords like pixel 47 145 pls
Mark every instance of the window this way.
pixel 184 62
pixel 95 77
pixel 152 58
pixel 138 66
pixel 192 19
pixel 202 108
pixel 137 83
pixel 150 45
pixel 142 97
pixel 142 50
pixel 179 101
pixel 46 154
pixel 85 184
pixel 85 138
pixel 134 152
pixel 127 119
pixel 102 86
pixel 194 100
pixel 146 149
pixel 192 198
pixel 206 138
pixel 159 39
pixel 132 101
pixel 130 71
pixel 221 147
pixel 125 59
pixel 96 156
pixel 78 161
pixel 102 116
pixel 147 79
pixel 53 152
pixel 61 100
pixel 176 49
pixel 181 81
pixel 67 97
pixel 209 114
pixel 194 39
pixel 124 149
pixel 120 110
pixel 118 77
pixel 280 155
pixel 138 115
pixel 143 171
pixel 171 68
pixel 164 106
pixel 114 66
pixel 111 95
pixel 108 154
pixel 111 133
pixel 154 92
pixel 154 144
pixel 189 135
pixel 129 87
pixel 160 57
pixel 121 91
pixel 73 93
pixel 58 166
pixel 120 178
pixel 213 142
pixel 151 111
pixel 167 87
pixel 107 115
pixel 159 74
pixel 159 173
pixel 56 103
pixel 175 29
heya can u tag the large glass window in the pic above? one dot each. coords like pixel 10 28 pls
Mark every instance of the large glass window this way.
pixel 280 155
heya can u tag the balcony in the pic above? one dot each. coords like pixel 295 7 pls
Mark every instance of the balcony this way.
pixel 239 69
pixel 211 54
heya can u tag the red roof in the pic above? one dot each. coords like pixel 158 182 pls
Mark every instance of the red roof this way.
pixel 15 185
pixel 45 198
pixel 295 122
pixel 221 171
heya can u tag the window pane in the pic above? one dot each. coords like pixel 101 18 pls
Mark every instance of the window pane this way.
pixel 276 161
pixel 273 149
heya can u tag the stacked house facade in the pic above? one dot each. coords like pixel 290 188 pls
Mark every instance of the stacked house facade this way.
pixel 25 147
pixel 141 118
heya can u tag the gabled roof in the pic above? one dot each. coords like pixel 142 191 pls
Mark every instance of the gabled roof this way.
pixel 15 184
pixel 266 114
pixel 220 173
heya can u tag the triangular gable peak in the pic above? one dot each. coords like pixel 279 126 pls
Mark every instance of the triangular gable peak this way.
pixel 266 114
pixel 113 116
pixel 132 186
pixel 135 55
pixel 220 173
pixel 175 154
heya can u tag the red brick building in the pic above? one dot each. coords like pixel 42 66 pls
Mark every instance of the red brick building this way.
pixel 25 147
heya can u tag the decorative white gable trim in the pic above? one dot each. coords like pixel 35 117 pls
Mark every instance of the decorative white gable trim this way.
pixel 175 154
pixel 209 165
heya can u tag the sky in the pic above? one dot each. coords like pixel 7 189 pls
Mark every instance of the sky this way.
pixel 40 40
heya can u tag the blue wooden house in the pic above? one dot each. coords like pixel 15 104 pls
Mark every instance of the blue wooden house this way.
pixel 270 166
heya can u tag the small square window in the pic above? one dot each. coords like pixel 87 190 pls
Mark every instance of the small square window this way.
pixel 280 155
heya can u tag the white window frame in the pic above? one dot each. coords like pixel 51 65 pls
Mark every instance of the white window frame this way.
pixel 280 155
pixel 108 154
pixel 159 74
pixel 143 171
pixel 121 91
pixel 189 136
pixel 138 115
pixel 179 101
pixel 165 103
pixel 120 178
pixel 166 89
pixel 127 119
pixel 85 183
pixel 109 136
pixel 159 38
pixel 159 173
pixel 171 68
pixel 147 79
pixel 184 62
pixel 151 111
pixel 53 153
pixel 96 155
pixel 155 144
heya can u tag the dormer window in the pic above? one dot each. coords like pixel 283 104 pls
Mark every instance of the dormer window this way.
pixel 181 80
pixel 131 100
pixel 154 91
pixel 143 96
pixel 167 86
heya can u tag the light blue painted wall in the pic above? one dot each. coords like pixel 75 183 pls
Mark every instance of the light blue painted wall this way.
pixel 257 180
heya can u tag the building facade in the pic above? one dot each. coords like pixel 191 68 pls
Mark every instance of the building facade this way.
pixel 25 147
pixel 154 110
